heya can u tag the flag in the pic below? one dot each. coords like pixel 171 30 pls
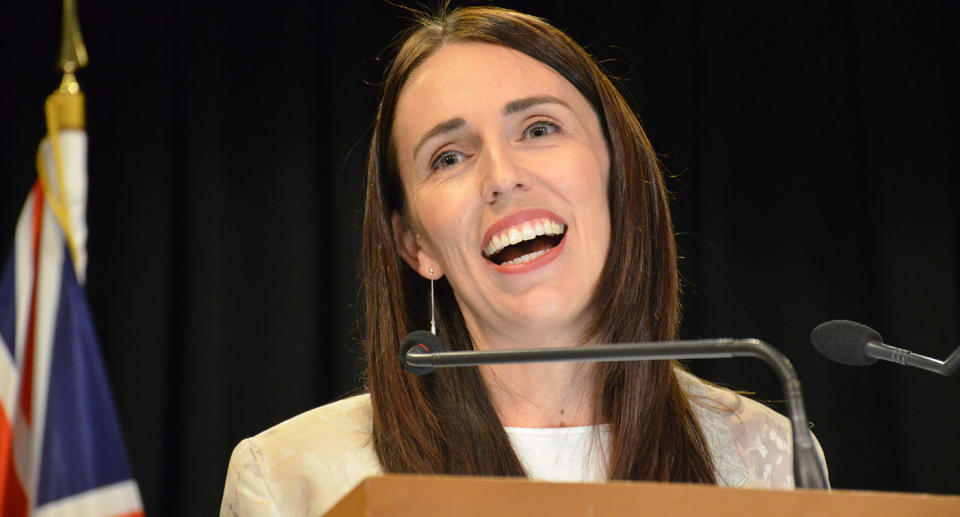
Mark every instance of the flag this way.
pixel 61 448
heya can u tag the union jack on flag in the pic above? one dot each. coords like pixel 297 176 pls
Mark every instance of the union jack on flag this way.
pixel 61 449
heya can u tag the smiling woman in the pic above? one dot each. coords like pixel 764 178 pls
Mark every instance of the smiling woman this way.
pixel 506 167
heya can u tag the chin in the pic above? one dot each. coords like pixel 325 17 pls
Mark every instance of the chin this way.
pixel 551 311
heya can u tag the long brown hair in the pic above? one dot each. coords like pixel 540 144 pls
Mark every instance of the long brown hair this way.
pixel 445 422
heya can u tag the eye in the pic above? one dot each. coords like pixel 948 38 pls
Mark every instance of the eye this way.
pixel 446 159
pixel 540 129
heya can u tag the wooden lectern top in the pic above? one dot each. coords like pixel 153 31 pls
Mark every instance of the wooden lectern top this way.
pixel 420 496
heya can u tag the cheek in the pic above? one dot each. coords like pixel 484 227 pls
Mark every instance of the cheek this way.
pixel 588 177
pixel 441 213
pixel 592 185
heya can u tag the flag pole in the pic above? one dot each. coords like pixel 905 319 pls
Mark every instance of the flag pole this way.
pixel 64 109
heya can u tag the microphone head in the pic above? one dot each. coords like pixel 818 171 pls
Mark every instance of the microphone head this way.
pixel 845 341
pixel 425 342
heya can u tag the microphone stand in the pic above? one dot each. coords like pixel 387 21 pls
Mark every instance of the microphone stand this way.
pixel 808 469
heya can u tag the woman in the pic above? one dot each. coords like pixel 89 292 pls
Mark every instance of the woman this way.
pixel 507 172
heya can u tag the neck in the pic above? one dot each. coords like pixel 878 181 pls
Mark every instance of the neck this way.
pixel 550 394
pixel 541 394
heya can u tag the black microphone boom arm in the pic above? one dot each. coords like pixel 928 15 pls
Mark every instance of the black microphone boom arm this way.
pixel 808 469
pixel 893 354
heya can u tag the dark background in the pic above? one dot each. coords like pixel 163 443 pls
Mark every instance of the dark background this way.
pixel 813 153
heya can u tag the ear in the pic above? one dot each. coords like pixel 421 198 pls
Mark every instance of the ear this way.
pixel 411 250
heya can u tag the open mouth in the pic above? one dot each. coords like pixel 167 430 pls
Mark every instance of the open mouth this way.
pixel 524 242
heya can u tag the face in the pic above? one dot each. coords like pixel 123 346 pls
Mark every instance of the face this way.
pixel 504 168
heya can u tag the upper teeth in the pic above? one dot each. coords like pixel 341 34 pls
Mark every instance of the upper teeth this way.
pixel 524 232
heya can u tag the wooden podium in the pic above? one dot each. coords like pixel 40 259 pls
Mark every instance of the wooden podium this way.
pixel 423 496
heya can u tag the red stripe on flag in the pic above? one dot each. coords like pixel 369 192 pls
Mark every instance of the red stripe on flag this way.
pixel 13 500
pixel 6 449
pixel 134 514
pixel 26 372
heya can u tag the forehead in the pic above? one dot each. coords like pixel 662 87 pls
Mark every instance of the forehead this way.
pixel 472 80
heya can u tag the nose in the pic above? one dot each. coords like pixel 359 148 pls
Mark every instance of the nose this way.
pixel 503 174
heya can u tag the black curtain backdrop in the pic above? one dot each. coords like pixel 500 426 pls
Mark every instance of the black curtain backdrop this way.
pixel 812 148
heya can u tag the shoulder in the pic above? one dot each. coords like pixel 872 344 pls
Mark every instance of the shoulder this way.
pixel 751 444
pixel 304 465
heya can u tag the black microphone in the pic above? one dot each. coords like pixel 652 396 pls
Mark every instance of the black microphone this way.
pixel 855 344
pixel 808 469
pixel 423 342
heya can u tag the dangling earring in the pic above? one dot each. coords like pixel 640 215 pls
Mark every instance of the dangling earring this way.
pixel 433 320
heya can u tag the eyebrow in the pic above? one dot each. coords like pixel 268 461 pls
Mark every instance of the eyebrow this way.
pixel 443 127
pixel 510 108
pixel 522 104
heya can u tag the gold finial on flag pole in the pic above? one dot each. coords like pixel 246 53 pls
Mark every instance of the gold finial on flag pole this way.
pixel 67 101
pixel 73 54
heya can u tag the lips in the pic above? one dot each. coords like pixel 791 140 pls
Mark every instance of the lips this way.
pixel 523 237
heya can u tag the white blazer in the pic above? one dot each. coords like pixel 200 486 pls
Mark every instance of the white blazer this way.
pixel 305 465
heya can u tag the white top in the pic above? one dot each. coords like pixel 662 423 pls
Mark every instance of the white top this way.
pixel 303 466
pixel 573 454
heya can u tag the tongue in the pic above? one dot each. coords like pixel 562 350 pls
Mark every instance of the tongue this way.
pixel 522 248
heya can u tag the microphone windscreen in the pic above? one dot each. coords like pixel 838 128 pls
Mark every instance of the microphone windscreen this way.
pixel 845 341
pixel 425 342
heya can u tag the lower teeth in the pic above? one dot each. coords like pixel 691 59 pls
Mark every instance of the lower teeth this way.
pixel 525 258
